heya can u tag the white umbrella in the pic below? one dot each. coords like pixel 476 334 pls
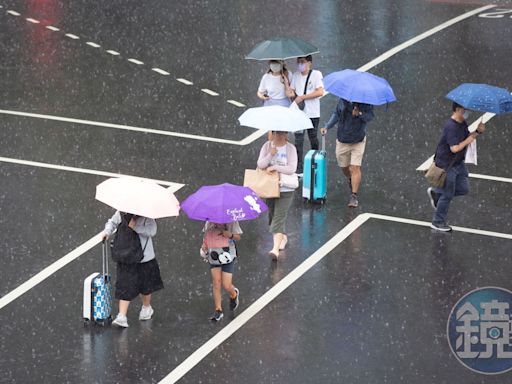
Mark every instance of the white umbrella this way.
pixel 276 118
pixel 140 197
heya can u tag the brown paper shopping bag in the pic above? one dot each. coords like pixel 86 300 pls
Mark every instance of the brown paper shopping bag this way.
pixel 265 184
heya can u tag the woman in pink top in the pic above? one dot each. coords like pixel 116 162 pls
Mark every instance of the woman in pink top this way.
pixel 221 236
pixel 278 155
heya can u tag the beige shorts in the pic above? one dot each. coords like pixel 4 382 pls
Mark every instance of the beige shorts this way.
pixel 350 154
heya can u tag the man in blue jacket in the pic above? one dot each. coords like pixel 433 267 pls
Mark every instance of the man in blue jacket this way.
pixel 351 141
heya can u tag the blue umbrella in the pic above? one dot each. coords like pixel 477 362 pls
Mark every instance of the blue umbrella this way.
pixel 482 98
pixel 359 87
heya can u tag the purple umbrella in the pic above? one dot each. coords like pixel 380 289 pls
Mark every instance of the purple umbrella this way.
pixel 223 203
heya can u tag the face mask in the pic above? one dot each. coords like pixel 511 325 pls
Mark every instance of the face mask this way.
pixel 466 115
pixel 276 67
pixel 301 67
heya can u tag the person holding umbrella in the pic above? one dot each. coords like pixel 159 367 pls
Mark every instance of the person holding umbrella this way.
pixel 450 154
pixel 134 279
pixel 306 89
pixel 352 119
pixel 221 236
pixel 138 202
pixel 274 85
pixel 358 91
pixel 278 155
pixel 222 207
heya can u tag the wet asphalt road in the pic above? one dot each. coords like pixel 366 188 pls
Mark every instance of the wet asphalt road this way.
pixel 374 310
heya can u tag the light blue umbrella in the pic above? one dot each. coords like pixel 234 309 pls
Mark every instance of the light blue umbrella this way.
pixel 359 87
pixel 482 98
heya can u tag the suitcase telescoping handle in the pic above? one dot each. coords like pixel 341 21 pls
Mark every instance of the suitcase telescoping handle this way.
pixel 104 258
pixel 323 143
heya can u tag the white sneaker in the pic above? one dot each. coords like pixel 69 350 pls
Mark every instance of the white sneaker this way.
pixel 120 321
pixel 146 313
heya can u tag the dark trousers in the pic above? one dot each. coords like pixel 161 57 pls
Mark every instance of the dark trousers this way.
pixel 456 185
pixel 299 142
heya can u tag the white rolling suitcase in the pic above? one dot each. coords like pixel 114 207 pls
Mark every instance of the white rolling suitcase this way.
pixel 97 302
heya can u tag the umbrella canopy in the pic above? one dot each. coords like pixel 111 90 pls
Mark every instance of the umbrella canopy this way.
pixel 140 197
pixel 223 203
pixel 359 87
pixel 281 48
pixel 276 118
pixel 482 98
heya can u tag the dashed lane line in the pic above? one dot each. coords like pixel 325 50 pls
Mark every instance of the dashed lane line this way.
pixel 132 60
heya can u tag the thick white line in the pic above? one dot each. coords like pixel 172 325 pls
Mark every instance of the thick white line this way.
pixel 112 52
pixel 30 20
pixel 262 302
pixel 173 186
pixel 484 119
pixel 52 28
pixel 71 36
pixel 184 81
pixel 288 280
pixel 94 45
pixel 236 103
pixel 455 228
pixel 13 13
pixel 135 61
pixel 209 92
pixel 50 270
pixel 245 141
pixel 386 55
pixel 160 71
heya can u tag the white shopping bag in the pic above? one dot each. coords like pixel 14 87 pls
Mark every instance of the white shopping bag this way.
pixel 471 157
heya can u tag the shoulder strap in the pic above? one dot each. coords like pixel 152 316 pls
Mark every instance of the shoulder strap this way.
pixel 307 79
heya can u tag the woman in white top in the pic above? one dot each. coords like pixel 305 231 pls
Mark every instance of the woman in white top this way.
pixel 280 156
pixel 275 84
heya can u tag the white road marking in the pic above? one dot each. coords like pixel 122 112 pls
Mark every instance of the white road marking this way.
pixel 173 186
pixel 135 61
pixel 52 28
pixel 34 21
pixel 249 139
pixel 71 36
pixel 49 271
pixel 160 71
pixel 236 103
pixel 484 118
pixel 13 13
pixel 209 92
pixel 94 45
pixel 184 81
pixel 242 318
pixel 112 52
pixel 386 55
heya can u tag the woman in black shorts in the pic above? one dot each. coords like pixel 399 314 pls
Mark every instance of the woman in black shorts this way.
pixel 138 278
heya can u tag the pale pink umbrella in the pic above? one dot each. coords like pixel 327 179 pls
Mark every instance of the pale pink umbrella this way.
pixel 140 197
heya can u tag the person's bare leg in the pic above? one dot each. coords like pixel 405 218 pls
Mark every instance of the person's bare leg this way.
pixel 146 300
pixel 227 284
pixel 123 307
pixel 216 286
pixel 278 238
pixel 355 177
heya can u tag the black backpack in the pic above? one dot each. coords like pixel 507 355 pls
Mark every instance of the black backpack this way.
pixel 126 247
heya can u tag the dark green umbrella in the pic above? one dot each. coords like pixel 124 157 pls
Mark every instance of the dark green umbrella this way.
pixel 281 48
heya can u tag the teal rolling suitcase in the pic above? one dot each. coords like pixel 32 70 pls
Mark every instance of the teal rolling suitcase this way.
pixel 314 182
